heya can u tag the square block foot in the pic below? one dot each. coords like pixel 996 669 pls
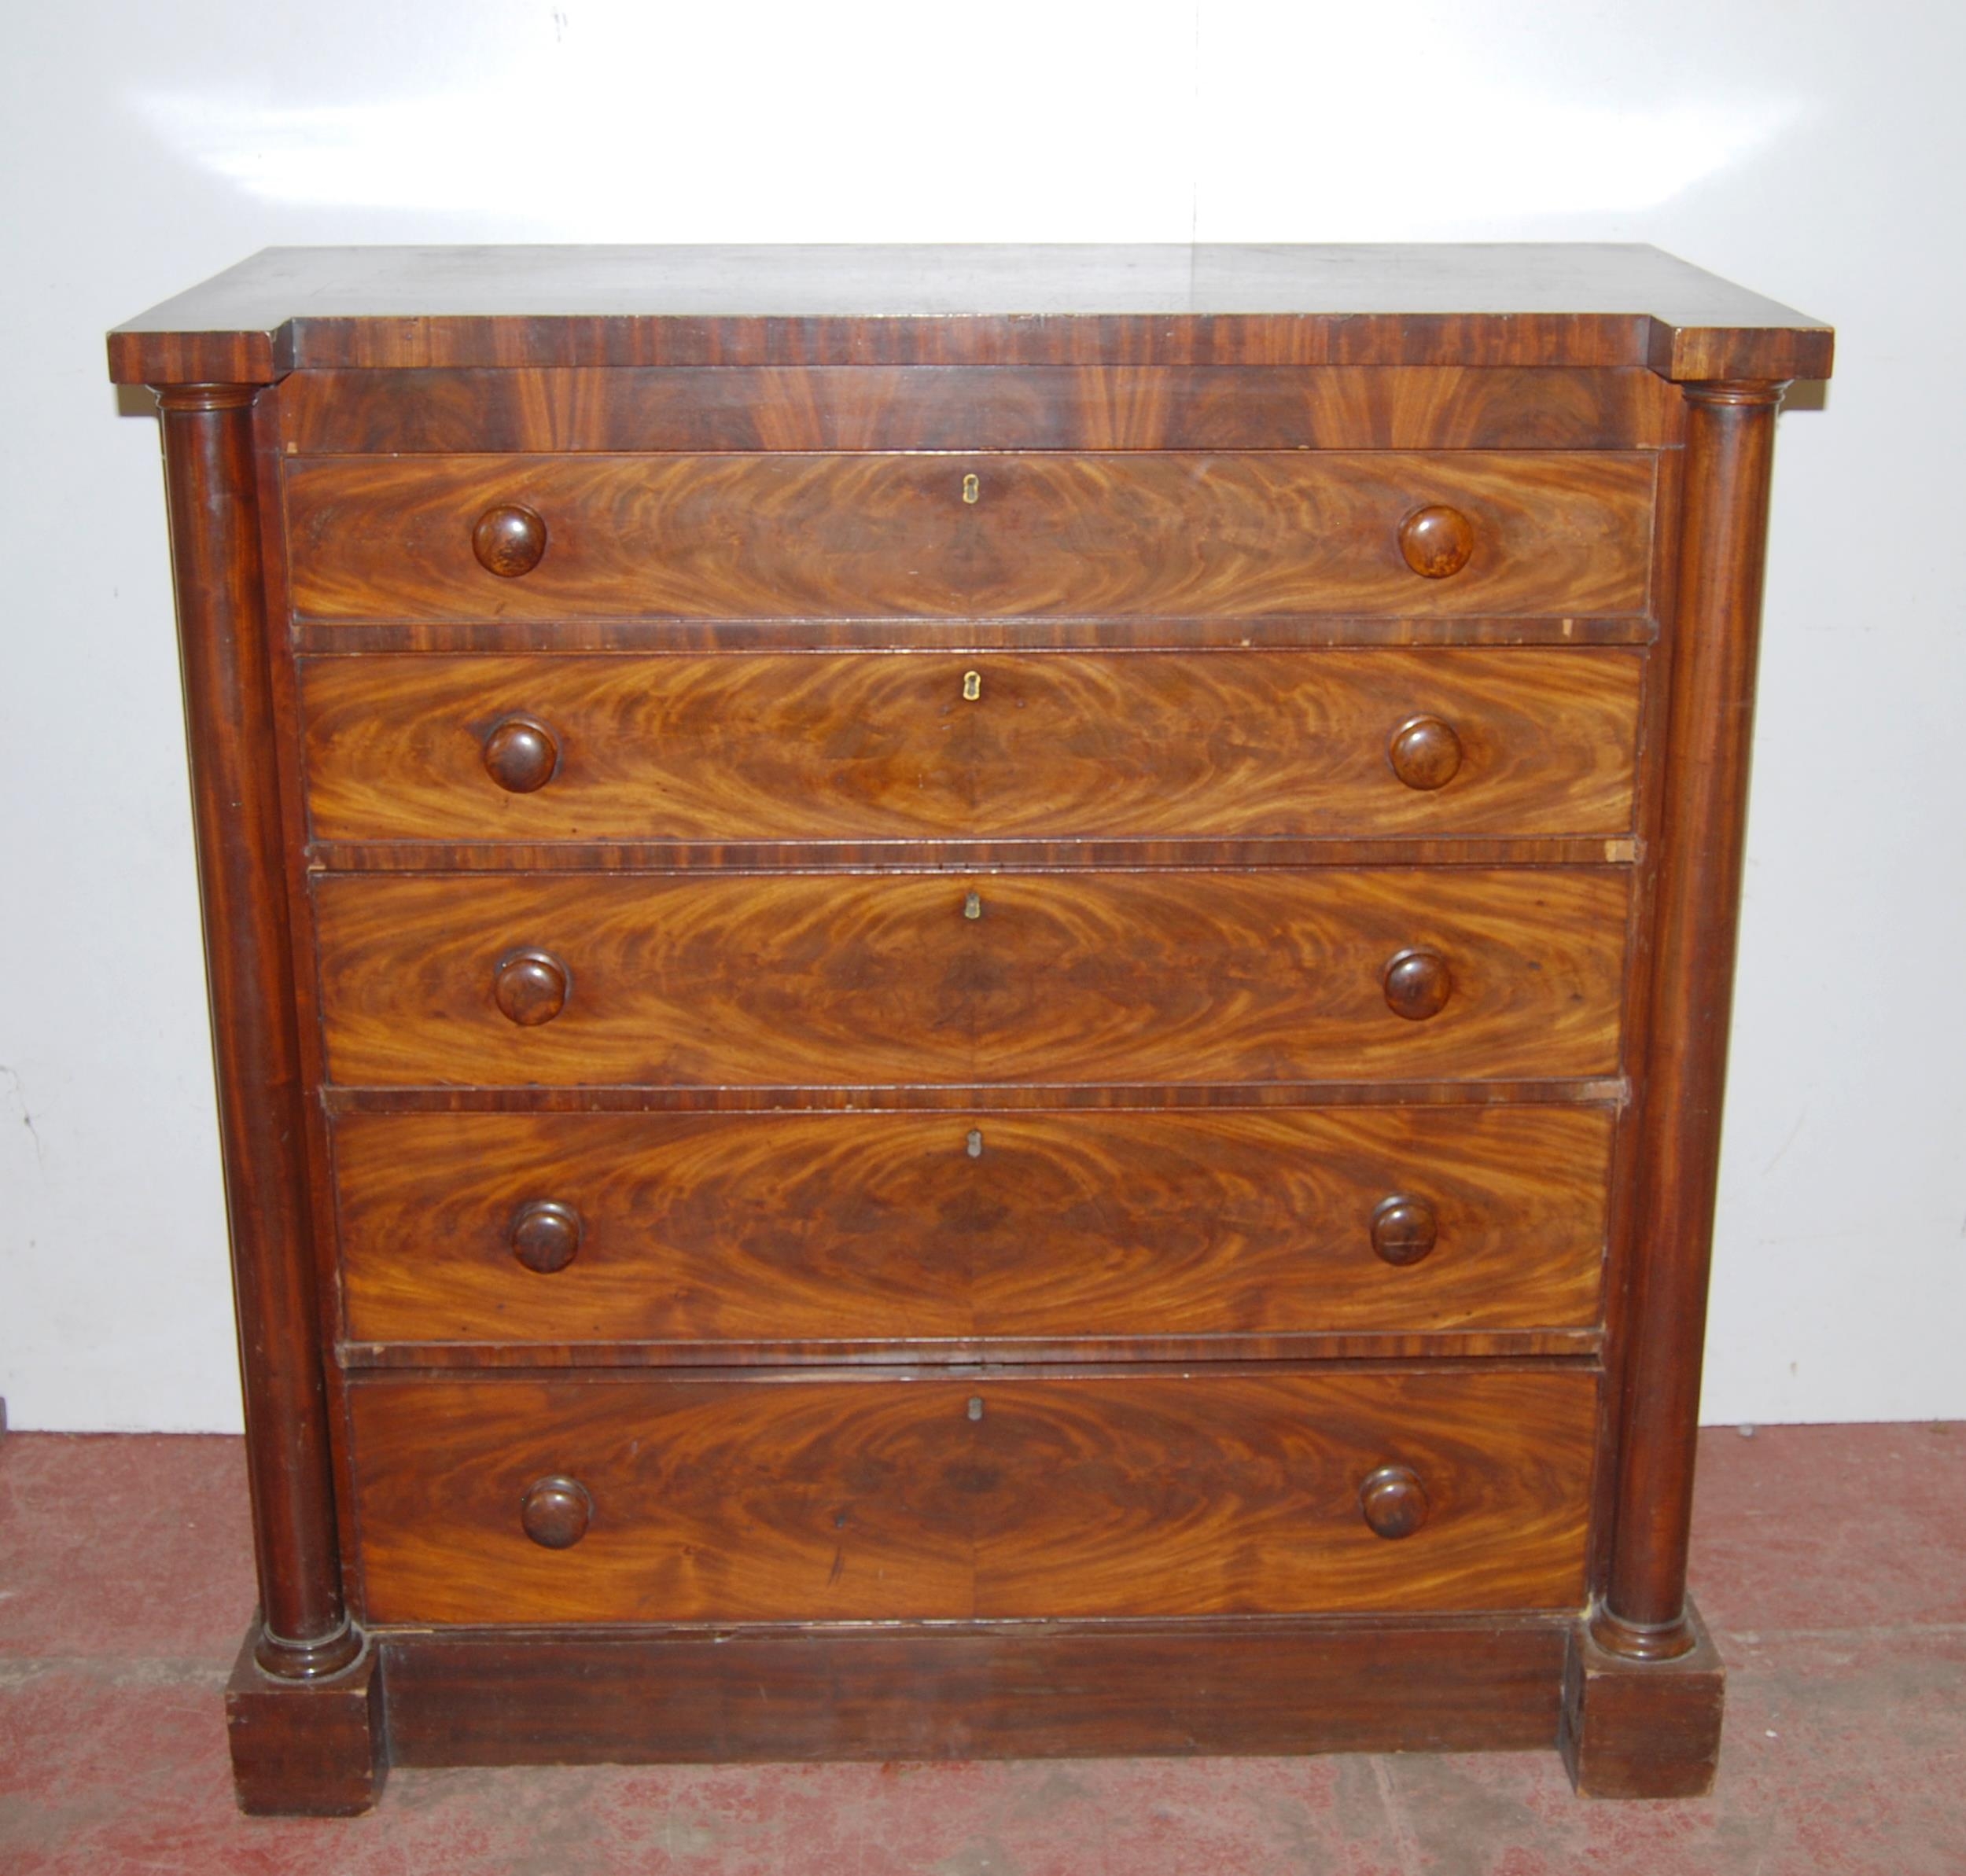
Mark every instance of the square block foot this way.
pixel 1642 1729
pixel 305 1748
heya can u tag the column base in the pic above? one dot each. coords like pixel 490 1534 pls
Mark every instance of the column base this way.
pixel 311 1748
pixel 1642 1729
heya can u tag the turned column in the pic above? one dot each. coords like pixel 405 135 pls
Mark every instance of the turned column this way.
pixel 223 639
pixel 1716 632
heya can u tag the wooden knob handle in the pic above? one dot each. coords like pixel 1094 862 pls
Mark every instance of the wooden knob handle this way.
pixel 1437 542
pixel 1418 984
pixel 545 1235
pixel 556 1512
pixel 508 540
pixel 531 987
pixel 520 754
pixel 1404 1230
pixel 1393 1501
pixel 1425 753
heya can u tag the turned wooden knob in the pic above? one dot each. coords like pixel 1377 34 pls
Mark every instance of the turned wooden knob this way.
pixel 1404 1230
pixel 521 753
pixel 531 987
pixel 1425 753
pixel 1418 984
pixel 556 1512
pixel 1437 542
pixel 1393 1502
pixel 508 540
pixel 545 1235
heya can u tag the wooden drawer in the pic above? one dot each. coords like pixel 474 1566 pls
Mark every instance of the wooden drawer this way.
pixel 796 746
pixel 928 1228
pixel 803 980
pixel 827 537
pixel 1092 1495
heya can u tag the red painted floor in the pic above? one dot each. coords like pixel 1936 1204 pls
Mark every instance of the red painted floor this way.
pixel 1827 1559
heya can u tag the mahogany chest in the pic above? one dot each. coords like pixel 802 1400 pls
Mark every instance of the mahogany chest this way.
pixel 968 1001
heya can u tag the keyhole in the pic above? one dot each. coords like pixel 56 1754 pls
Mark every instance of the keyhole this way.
pixel 972 905
pixel 975 1407
pixel 972 685
pixel 976 1143
pixel 972 490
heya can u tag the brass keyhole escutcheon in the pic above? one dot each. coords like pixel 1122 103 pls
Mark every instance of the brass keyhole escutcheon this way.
pixel 972 490
pixel 972 905
pixel 972 685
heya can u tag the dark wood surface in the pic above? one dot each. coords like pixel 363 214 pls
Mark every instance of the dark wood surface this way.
pixel 906 1230
pixel 211 477
pixel 1283 632
pixel 1013 1690
pixel 1136 1495
pixel 1507 303
pixel 1643 1729
pixel 847 537
pixel 310 1749
pixel 1269 854
pixel 961 407
pixel 1702 845
pixel 790 748
pixel 1003 1162
pixel 704 980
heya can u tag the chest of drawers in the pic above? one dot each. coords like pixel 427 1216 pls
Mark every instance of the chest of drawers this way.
pixel 968 1001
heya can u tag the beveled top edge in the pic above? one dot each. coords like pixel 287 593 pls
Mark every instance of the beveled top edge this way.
pixel 1533 303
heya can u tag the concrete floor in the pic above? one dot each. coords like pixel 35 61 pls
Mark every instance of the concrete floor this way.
pixel 1828 1561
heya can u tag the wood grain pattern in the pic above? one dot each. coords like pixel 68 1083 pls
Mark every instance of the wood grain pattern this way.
pixel 313 1748
pixel 973 1690
pixel 1283 633
pixel 932 856
pixel 1643 1729
pixel 886 1227
pixel 802 1318
pixel 832 536
pixel 1703 848
pixel 1097 1496
pixel 1230 745
pixel 954 407
pixel 226 645
pixel 1488 304
pixel 1171 977
pixel 892 1357
pixel 1007 1097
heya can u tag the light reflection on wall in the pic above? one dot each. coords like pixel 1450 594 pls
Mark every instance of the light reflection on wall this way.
pixel 624 120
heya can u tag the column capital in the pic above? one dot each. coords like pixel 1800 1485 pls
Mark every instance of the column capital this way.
pixel 1753 392
pixel 205 397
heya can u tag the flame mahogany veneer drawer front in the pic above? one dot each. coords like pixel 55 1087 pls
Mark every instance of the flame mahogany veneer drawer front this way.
pixel 1225 745
pixel 570 1228
pixel 708 980
pixel 1091 1494
pixel 546 537
pixel 621 408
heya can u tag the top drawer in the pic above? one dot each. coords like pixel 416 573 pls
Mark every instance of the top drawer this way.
pixel 542 538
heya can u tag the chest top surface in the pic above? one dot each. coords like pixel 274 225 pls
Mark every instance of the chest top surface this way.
pixel 1502 304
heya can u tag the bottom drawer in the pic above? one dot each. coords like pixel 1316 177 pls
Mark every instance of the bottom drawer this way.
pixel 1091 1494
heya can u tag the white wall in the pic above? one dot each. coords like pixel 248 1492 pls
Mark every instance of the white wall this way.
pixel 1811 148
